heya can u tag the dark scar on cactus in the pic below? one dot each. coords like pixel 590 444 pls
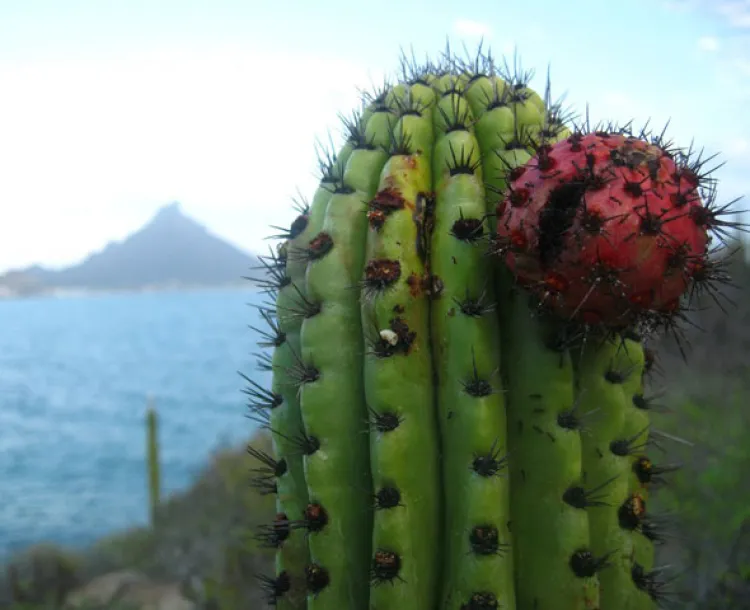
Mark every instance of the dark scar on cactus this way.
pixel 274 588
pixel 585 565
pixel 485 540
pixel 385 567
pixel 316 578
pixel 397 338
pixel 578 497
pixel 491 463
pixel 385 202
pixel 387 497
pixel 631 512
pixel 314 518
pixel 483 600
pixel 423 218
pixel 386 421
pixel 470 230
pixel 319 246
pixel 380 274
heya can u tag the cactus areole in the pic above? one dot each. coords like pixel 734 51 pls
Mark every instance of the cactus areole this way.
pixel 457 323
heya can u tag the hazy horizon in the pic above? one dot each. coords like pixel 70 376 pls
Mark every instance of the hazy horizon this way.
pixel 112 109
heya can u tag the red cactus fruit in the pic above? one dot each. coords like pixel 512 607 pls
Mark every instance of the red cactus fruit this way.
pixel 606 226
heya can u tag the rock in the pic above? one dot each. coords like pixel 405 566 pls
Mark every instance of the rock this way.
pixel 156 596
pixel 129 589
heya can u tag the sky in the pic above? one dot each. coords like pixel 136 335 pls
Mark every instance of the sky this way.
pixel 110 109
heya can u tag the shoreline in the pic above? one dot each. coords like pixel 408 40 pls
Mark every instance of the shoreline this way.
pixel 72 293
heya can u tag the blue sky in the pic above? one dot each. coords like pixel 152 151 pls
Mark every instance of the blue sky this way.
pixel 112 108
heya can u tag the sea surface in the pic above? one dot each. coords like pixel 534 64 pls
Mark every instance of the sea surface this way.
pixel 75 376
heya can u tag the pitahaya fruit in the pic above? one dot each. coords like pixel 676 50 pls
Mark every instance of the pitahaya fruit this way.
pixel 608 227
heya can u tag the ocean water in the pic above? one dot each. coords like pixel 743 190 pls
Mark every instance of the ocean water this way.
pixel 75 374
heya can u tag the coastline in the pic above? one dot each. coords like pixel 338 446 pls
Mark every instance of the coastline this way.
pixel 9 294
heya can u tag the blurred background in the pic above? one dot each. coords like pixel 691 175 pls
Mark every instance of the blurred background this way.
pixel 146 147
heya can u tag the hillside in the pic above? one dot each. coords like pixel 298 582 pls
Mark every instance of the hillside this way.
pixel 171 249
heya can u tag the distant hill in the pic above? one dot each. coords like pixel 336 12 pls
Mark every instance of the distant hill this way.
pixel 171 249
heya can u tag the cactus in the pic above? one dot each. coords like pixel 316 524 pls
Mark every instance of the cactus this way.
pixel 446 434
pixel 153 464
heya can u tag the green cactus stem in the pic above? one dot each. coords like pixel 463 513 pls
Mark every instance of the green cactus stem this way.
pixel 398 372
pixel 332 393
pixel 280 409
pixel 636 519
pixel 556 565
pixel 153 462
pixel 467 355
pixel 608 374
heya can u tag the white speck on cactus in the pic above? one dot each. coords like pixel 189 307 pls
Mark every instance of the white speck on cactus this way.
pixel 389 336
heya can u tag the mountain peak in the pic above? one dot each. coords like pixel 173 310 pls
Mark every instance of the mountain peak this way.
pixel 169 210
pixel 171 248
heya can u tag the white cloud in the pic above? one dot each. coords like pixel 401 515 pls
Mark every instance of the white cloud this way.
pixel 471 29
pixel 708 43
pixel 90 148
pixel 737 12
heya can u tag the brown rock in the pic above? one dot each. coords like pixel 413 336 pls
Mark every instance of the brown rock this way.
pixel 129 589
